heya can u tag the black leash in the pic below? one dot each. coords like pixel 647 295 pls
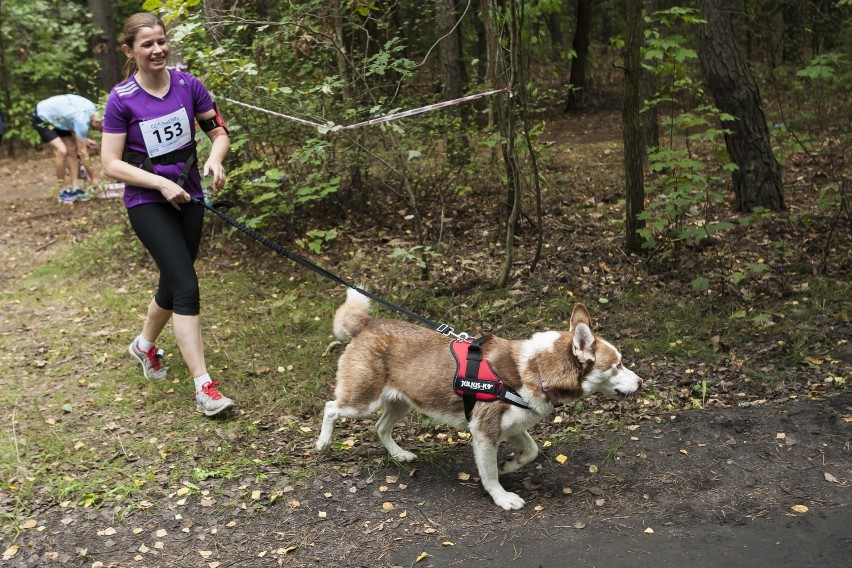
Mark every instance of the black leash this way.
pixel 441 328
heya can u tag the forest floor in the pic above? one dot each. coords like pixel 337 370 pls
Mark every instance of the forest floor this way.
pixel 747 481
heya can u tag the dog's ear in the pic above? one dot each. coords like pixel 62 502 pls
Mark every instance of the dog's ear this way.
pixel 580 315
pixel 584 342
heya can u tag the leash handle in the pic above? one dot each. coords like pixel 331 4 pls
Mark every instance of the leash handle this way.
pixel 443 328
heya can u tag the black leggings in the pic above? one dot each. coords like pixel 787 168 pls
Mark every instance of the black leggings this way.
pixel 172 237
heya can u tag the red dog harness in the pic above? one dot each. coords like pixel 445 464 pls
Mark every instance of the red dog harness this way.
pixel 476 380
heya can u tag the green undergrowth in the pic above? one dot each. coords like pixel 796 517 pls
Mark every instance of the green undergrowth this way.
pixel 87 428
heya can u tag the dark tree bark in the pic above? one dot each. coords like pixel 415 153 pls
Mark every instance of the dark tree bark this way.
pixel 649 85
pixel 106 44
pixel 793 38
pixel 757 182
pixel 553 21
pixel 577 79
pixel 4 80
pixel 634 149
pixel 453 77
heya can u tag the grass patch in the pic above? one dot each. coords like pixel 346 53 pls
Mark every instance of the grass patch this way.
pixel 85 426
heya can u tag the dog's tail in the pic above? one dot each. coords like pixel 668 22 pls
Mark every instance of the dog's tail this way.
pixel 351 318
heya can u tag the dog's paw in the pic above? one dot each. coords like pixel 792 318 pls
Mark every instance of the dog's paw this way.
pixel 508 501
pixel 321 445
pixel 404 456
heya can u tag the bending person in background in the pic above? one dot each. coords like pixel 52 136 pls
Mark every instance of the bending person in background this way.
pixel 149 144
pixel 63 123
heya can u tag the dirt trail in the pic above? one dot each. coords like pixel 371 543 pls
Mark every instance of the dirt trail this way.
pixel 706 488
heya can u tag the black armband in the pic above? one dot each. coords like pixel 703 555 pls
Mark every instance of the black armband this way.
pixel 208 124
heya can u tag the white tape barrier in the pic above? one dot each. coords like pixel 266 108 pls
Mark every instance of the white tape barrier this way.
pixel 331 127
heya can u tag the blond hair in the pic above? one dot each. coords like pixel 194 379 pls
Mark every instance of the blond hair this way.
pixel 128 33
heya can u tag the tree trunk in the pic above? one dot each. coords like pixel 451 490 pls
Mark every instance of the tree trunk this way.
pixel 634 149
pixel 553 21
pixel 4 80
pixel 454 78
pixel 106 44
pixel 336 25
pixel 793 37
pixel 757 182
pixel 648 86
pixel 577 79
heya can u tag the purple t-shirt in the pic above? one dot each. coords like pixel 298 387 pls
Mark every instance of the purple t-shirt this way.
pixel 156 126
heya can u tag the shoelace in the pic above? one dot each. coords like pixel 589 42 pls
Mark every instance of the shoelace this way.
pixel 210 390
pixel 153 357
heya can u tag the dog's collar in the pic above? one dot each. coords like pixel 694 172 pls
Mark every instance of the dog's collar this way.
pixel 551 396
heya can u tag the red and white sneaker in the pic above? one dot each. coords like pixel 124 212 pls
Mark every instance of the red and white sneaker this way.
pixel 210 401
pixel 150 360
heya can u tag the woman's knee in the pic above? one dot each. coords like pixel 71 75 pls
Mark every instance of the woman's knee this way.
pixel 187 300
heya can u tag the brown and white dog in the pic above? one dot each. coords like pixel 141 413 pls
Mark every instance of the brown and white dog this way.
pixel 394 365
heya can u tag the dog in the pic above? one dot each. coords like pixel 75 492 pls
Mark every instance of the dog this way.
pixel 392 365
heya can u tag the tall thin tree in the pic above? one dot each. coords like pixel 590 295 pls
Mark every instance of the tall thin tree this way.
pixel 634 148
pixel 105 44
pixel 757 180
pixel 577 79
pixel 453 76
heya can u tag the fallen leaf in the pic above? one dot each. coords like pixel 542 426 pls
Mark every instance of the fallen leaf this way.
pixel 684 452
pixel 448 543
pixel 464 476
pixel 800 508
pixel 29 523
pixel 830 478
pixel 422 556
pixel 579 525
pixel 10 552
pixel 561 458
pixel 649 530
pixel 205 553
pixel 255 495
pixel 387 506
pixel 780 436
pixel 322 514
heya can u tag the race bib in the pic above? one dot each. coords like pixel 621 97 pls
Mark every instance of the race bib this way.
pixel 166 133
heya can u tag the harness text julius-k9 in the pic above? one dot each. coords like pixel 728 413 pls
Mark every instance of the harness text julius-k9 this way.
pixel 475 379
